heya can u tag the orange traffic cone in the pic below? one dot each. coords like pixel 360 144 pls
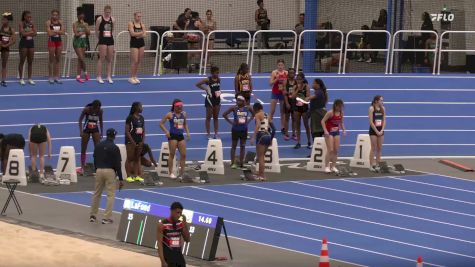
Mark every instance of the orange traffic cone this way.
pixel 419 262
pixel 324 259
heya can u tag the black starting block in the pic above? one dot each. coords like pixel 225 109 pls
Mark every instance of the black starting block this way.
pixel 89 169
pixel 383 167
pixel 248 175
pixel 398 168
pixel 152 179
pixel 345 171
pixel 33 175
pixel 249 160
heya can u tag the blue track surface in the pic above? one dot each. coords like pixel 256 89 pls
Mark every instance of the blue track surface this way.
pixel 428 115
pixel 369 221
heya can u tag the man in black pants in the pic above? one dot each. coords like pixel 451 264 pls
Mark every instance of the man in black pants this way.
pixel 8 142
pixel 169 236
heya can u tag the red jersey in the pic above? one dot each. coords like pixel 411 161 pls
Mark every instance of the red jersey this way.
pixel 333 123
pixel 278 86
pixel 172 233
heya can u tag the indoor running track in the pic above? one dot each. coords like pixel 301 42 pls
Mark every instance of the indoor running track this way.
pixel 427 115
pixel 385 221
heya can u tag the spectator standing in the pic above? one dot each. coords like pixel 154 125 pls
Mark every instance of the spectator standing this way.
pixel 263 22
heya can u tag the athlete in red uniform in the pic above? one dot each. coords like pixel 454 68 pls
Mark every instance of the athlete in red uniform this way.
pixel 332 123
pixel 277 81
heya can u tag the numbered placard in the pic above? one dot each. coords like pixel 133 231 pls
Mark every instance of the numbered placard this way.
pixel 16 167
pixel 271 158
pixel 361 156
pixel 319 153
pixel 66 168
pixel 162 168
pixel 123 158
pixel 213 162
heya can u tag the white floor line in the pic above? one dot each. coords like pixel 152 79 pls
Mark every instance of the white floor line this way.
pixel 382 198
pixel 448 176
pixel 313 224
pixel 434 185
pixel 364 207
pixel 333 214
pixel 410 192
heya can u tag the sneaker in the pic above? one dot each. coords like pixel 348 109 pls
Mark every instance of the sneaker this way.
pixel 31 82
pixel 79 171
pixel 129 179
pixel 297 146
pixel 309 145
pixel 286 137
pixel 139 179
pixel 42 175
pixel 110 80
pixel 22 82
pixel 58 81
pixel 99 80
pixel 234 166
pixel 3 83
pixel 360 59
pixel 294 137
pixel 107 221
pixel 172 176
pixel 328 170
pixel 132 81
pixel 87 77
pixel 137 80
pixel 78 78
pixel 372 169
pixel 92 218
pixel 282 131
pixel 335 170
pixel 370 60
pixel 51 81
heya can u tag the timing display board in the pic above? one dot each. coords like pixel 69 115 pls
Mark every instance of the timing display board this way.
pixel 139 222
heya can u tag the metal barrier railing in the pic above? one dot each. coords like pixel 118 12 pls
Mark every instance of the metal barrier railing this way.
pixel 387 49
pixel 161 51
pixel 441 49
pixel 116 51
pixel 394 49
pixel 247 51
pixel 254 49
pixel 320 49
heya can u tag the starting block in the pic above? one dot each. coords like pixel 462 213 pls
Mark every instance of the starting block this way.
pixel 16 167
pixel 33 175
pixel 271 158
pixel 213 162
pixel 249 160
pixel 247 175
pixel 319 153
pixel 89 169
pixel 397 168
pixel 345 171
pixel 190 177
pixel 383 167
pixel 123 158
pixel 152 179
pixel 66 168
pixel 162 168
pixel 361 155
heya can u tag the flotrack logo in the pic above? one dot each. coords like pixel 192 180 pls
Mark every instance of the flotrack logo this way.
pixel 442 17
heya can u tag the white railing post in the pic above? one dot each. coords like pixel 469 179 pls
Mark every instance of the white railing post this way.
pixel 227 50
pixel 299 49
pixel 394 49
pixel 387 50
pixel 254 49
pixel 182 51
pixel 450 50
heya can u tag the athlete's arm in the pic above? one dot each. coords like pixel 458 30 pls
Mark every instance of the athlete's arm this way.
pixel 188 136
pixel 81 117
pixel 144 32
pixel 87 30
pixel 226 113
pixel 143 133
pixel 324 121
pixel 13 38
pixel 273 78
pixel 127 130
pixel 236 84
pixel 160 244
pixel 98 23
pixel 130 27
pixel 150 155
pixel 250 84
pixel 101 122
pixel 384 119
pixel 62 29
pixel 370 116
pixel 162 123
pixel 342 123
pixel 75 31
pixel 258 118
pixel 185 233
pixel 307 89
pixel 48 28
pixel 201 84
pixel 50 147
pixel 256 16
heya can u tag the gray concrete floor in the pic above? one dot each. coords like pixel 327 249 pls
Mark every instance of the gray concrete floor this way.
pixel 71 219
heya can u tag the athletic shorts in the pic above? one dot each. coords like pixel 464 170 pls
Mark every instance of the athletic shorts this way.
pixel 372 132
pixel 238 135
pixel 264 139
pixel 137 43
pixel 91 131
pixel 173 257
pixel 212 102
pixel 106 41
pixel 26 43
pixel 301 109
pixel 177 137
pixel 55 44
pixel 245 94
pixel 336 133
pixel 38 138
pixel 279 97
pixel 79 42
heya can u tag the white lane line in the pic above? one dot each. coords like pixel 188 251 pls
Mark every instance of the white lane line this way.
pixel 448 176
pixel 434 185
pixel 382 198
pixel 231 104
pixel 409 192
pixel 313 224
pixel 363 207
pixel 333 214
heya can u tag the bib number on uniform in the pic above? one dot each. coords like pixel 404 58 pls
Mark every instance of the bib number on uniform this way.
pixel 281 85
pixel 334 129
pixel 29 38
pixel 217 94
pixel 174 242
pixel 5 39
pixel 139 130
pixel 91 125
pixel 378 123
pixel 107 34
pixel 245 87
pixel 242 120
pixel 299 104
